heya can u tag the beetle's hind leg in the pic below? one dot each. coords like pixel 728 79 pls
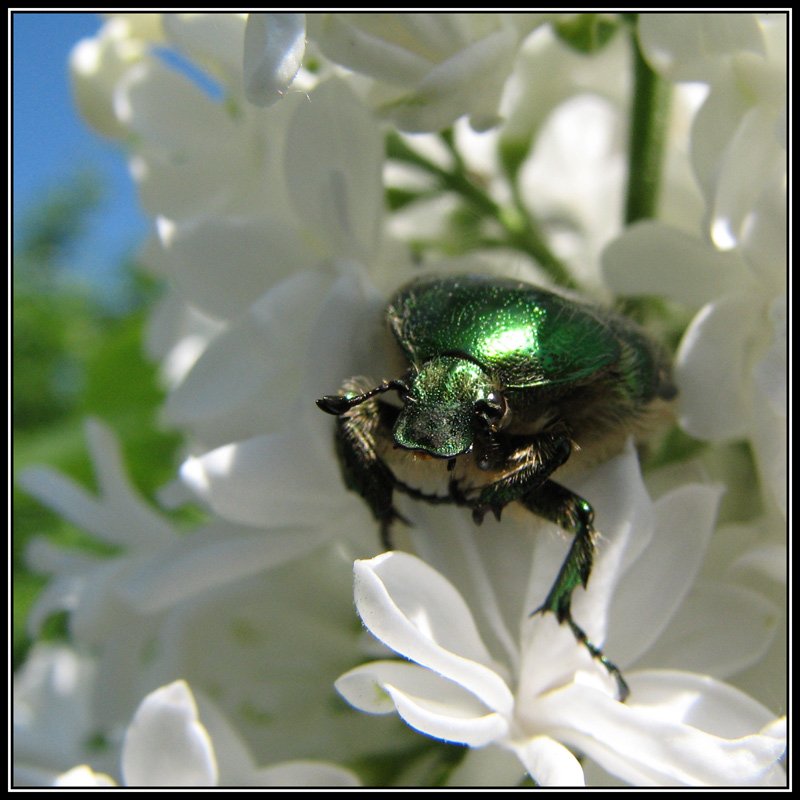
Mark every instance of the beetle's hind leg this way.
pixel 571 512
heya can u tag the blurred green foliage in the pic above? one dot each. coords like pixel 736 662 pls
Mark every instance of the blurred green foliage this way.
pixel 74 355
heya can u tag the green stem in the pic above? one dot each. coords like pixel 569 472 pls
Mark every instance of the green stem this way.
pixel 520 231
pixel 649 119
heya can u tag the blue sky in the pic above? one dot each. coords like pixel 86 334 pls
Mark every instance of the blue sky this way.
pixel 51 142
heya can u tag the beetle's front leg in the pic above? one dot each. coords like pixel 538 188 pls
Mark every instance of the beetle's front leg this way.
pixel 527 462
pixel 364 472
pixel 571 512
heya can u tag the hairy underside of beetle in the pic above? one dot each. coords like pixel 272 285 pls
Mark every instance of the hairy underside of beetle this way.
pixel 597 431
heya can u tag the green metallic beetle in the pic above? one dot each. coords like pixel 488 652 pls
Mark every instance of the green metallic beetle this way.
pixel 505 382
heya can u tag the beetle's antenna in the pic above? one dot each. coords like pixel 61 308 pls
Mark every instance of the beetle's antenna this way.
pixel 337 404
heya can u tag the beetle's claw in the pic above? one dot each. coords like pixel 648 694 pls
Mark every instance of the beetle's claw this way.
pixel 480 511
pixel 333 404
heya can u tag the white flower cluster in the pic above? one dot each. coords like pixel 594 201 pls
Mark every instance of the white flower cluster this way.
pixel 224 656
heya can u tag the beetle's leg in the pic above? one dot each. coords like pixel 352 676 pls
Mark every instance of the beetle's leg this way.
pixel 571 512
pixel 529 462
pixel 363 470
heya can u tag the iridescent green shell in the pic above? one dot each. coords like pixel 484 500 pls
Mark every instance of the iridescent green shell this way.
pixel 522 335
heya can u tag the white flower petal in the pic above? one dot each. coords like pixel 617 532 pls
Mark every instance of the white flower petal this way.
pixel 178 332
pixel 416 612
pixel 274 45
pixel 686 46
pixel 713 706
pixel 718 630
pixel 85 595
pixel 83 775
pixel 712 369
pixel 765 242
pixel 469 82
pixel 164 109
pixel 436 719
pixel 233 385
pixel 491 766
pixel 659 580
pixel 230 373
pixel 426 701
pixel 207 559
pixel 652 258
pixel 654 739
pixel 365 687
pixel 365 48
pixel 305 774
pixel 430 69
pixel 738 140
pixel 149 27
pixel 63 593
pixel 277 695
pixel 212 41
pixel 51 708
pixel 237 766
pixel 192 155
pixel 348 338
pixel 334 154
pixel 768 429
pixel 96 66
pixel 769 562
pixel 549 763
pixel 284 479
pixel 753 159
pixel 222 264
pixel 65 497
pixel 166 744
pixel 118 515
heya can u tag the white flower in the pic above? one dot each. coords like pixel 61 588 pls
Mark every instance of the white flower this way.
pixel 290 476
pixel 116 604
pixel 167 744
pixel 271 234
pixel 143 610
pixel 484 673
pixel 739 136
pixel 52 718
pixel 96 66
pixel 195 148
pixel 281 259
pixel 213 42
pixel 170 743
pixel 83 776
pixel 731 365
pixel 250 239
pixel 429 69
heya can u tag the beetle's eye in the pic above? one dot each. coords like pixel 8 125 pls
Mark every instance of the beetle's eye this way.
pixel 492 410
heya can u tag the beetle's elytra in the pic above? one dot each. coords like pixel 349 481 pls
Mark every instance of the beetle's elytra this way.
pixel 504 381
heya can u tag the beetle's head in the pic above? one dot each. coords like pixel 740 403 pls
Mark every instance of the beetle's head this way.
pixel 449 402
